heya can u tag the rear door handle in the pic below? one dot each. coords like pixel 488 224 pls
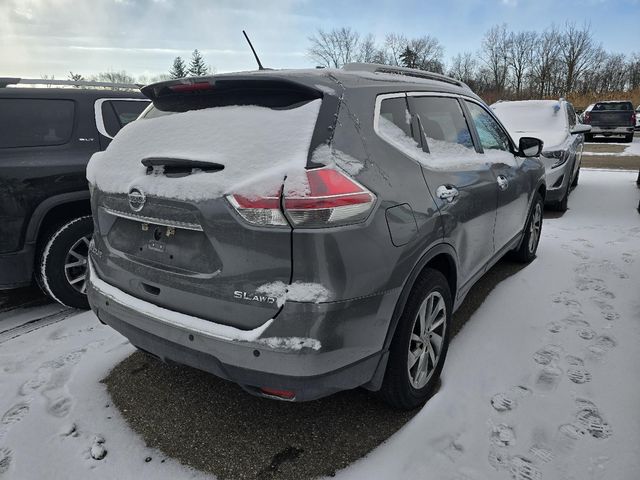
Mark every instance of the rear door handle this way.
pixel 503 183
pixel 447 192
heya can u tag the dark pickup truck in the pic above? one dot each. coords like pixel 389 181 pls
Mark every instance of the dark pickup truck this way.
pixel 610 118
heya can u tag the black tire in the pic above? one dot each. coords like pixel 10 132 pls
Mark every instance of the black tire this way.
pixel 574 183
pixel 628 138
pixel 526 252
pixel 51 275
pixel 397 388
pixel 588 137
pixel 562 204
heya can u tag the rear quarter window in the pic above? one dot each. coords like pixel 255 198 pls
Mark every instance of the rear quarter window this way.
pixel 118 113
pixel 35 122
pixel 624 106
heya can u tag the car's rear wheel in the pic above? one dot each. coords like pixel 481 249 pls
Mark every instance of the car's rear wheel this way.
pixel 532 231
pixel 628 138
pixel 588 137
pixel 420 343
pixel 62 269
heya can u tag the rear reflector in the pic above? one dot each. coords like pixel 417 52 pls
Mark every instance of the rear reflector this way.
pixel 322 197
pixel 274 392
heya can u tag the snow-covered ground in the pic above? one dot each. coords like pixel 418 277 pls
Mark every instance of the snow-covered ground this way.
pixel 542 382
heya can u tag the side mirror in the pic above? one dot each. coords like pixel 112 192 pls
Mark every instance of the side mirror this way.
pixel 529 147
pixel 580 128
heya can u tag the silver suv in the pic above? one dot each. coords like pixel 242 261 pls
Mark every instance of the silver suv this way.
pixel 308 231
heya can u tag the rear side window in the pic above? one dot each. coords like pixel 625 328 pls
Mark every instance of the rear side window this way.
pixel 443 123
pixel 117 113
pixel 492 137
pixel 35 122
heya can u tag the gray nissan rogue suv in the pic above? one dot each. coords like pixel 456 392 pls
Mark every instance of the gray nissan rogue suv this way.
pixel 303 232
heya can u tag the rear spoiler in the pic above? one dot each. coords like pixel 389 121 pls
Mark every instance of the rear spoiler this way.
pixel 220 84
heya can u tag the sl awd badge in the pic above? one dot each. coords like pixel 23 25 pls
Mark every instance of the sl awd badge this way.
pixel 137 198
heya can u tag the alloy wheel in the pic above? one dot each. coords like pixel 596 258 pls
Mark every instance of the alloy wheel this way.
pixel 75 264
pixel 535 227
pixel 427 339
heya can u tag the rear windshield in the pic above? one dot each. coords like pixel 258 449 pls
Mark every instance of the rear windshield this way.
pixel 619 106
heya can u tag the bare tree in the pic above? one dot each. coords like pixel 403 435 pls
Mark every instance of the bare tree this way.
pixel 578 52
pixel 334 48
pixel 546 56
pixel 521 47
pixel 495 54
pixel 634 71
pixel 368 52
pixel 394 45
pixel 464 67
pixel 428 53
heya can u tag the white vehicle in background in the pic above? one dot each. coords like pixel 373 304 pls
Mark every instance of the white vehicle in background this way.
pixel 638 118
pixel 555 123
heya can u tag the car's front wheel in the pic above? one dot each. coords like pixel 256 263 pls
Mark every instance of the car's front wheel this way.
pixel 62 270
pixel 532 231
pixel 420 343
pixel 628 138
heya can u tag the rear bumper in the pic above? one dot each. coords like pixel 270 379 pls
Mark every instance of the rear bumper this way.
pixel 340 356
pixel 611 130
pixel 16 268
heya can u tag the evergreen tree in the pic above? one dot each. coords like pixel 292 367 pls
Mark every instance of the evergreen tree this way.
pixel 197 67
pixel 409 58
pixel 179 69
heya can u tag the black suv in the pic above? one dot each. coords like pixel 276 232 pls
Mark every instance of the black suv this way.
pixel 47 136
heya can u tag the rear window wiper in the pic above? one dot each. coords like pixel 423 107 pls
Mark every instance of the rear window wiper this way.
pixel 178 167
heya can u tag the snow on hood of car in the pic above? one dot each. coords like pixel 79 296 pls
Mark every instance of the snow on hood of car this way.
pixel 543 119
pixel 258 146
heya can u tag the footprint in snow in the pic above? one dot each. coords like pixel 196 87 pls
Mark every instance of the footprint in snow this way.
pixel 13 415
pixel 522 468
pixel 547 354
pixel 567 299
pixel 5 460
pixel 508 400
pixel 548 378
pixel 601 345
pixel 555 327
pixel 628 257
pixel 541 452
pixel 503 436
pixel 591 420
pixel 586 333
pixel 97 451
pixel 578 375
pixel 574 361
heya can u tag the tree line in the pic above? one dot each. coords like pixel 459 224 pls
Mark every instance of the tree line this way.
pixel 558 61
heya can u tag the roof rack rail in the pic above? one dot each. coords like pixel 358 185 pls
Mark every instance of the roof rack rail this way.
pixel 409 72
pixel 5 81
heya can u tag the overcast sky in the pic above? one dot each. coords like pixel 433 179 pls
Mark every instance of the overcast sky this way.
pixel 45 37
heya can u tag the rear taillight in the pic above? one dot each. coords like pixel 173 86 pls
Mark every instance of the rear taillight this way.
pixel 279 393
pixel 633 118
pixel 333 198
pixel 586 118
pixel 259 210
pixel 323 197
pixel 190 87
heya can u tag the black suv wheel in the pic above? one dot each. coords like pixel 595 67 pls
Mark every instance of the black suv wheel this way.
pixel 62 270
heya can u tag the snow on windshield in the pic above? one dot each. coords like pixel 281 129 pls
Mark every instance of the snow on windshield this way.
pixel 543 119
pixel 256 145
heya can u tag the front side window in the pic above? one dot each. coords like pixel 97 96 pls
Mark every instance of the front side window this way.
pixel 444 125
pixel 35 122
pixel 492 137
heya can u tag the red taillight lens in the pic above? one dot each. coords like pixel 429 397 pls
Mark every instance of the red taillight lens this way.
pixel 322 197
pixel 333 198
pixel 586 117
pixel 190 87
pixel 275 392
pixel 633 119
